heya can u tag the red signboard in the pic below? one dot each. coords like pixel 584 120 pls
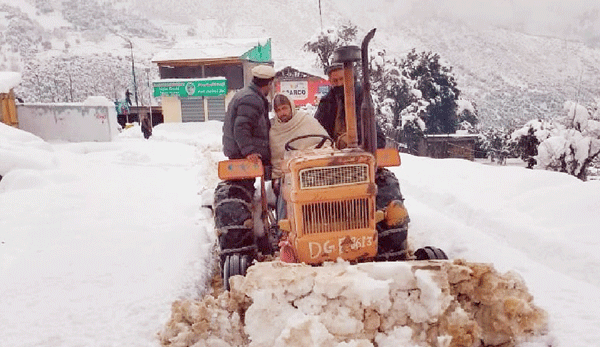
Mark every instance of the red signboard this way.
pixel 304 90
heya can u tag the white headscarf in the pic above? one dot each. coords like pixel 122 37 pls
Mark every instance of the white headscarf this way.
pixel 300 124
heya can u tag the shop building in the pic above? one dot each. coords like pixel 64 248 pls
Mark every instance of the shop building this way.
pixel 198 79
pixel 302 87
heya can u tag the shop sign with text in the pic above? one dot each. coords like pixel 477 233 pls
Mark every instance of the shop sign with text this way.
pixel 297 90
pixel 185 88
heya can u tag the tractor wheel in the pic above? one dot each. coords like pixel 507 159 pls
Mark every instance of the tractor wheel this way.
pixel 233 218
pixel 392 243
pixel 430 253
pixel 235 264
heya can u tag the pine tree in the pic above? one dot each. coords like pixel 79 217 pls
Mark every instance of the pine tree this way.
pixel 438 86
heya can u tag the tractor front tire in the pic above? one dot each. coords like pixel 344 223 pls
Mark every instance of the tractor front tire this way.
pixel 430 253
pixel 235 264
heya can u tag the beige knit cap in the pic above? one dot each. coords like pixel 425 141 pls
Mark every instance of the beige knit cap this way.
pixel 264 72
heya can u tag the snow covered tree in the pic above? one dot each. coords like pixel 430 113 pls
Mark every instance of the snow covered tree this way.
pixel 417 96
pixel 325 42
pixel 495 143
pixel 438 87
pixel 414 96
pixel 397 100
pixel 574 141
pixel 467 115
pixel 72 78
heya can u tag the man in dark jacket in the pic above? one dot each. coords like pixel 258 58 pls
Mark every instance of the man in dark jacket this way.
pixel 331 110
pixel 246 127
pixel 146 126
pixel 245 135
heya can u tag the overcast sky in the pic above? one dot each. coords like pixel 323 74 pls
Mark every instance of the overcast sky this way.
pixel 540 17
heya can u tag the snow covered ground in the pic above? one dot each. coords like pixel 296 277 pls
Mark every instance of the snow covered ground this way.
pixel 98 239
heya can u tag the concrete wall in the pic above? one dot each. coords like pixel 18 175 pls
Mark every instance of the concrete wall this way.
pixel 69 122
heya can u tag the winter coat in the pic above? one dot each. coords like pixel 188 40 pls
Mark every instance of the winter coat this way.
pixel 146 127
pixel 246 126
pixel 327 111
pixel 300 124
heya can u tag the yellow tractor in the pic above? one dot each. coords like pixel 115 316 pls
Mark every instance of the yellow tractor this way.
pixel 333 197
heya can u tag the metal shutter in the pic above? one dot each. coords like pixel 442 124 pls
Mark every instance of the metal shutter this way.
pixel 216 107
pixel 192 109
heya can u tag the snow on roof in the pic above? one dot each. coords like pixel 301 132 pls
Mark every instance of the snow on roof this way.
pixel 457 135
pixel 98 100
pixel 179 80
pixel 9 80
pixel 209 49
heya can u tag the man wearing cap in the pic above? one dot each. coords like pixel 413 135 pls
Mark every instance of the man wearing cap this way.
pixel 246 127
pixel 331 110
pixel 331 114
pixel 245 135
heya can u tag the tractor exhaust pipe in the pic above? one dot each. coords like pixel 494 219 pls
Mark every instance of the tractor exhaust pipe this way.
pixel 367 111
pixel 348 55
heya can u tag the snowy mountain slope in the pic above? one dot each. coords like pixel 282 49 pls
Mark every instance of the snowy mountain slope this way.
pixel 509 73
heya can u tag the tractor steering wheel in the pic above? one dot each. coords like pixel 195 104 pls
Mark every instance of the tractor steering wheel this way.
pixel 324 138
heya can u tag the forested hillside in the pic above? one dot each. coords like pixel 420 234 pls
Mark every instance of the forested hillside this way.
pixel 68 50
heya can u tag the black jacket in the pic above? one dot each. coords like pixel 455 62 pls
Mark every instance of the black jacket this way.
pixel 327 111
pixel 246 127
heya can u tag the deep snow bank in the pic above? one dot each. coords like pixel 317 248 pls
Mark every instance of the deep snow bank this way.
pixel 370 304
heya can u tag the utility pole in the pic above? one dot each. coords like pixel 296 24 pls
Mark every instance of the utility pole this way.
pixel 150 95
pixel 132 67
pixel 321 15
pixel 133 73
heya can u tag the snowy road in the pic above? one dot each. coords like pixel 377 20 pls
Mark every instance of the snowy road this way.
pixel 99 240
pixel 542 225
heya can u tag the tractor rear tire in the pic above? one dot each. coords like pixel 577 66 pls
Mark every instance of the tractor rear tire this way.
pixel 233 218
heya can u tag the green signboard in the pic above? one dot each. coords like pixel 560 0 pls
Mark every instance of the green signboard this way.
pixel 185 88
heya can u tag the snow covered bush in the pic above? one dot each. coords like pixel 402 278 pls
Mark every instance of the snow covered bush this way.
pixel 528 138
pixel 574 142
pixel 495 143
pixel 568 144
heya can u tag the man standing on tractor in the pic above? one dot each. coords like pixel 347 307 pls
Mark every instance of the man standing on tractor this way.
pixel 246 126
pixel 331 114
pixel 245 135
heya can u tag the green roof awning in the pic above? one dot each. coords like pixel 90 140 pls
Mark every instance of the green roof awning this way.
pixel 260 53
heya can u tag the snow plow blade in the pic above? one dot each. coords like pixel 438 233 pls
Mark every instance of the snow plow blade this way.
pixel 425 303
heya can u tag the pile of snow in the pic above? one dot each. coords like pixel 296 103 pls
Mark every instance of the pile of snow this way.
pixel 9 80
pixel 430 303
pixel 98 101
pixel 20 150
